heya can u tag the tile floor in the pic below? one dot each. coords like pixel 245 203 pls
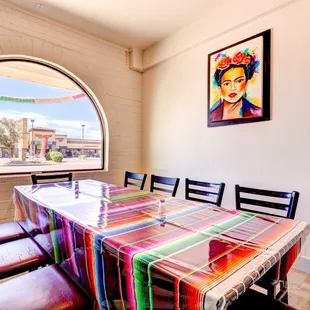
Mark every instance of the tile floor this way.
pixel 299 289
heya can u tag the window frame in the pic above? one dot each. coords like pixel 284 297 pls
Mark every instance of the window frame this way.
pixel 91 96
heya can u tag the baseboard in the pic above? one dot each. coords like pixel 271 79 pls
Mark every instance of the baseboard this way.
pixel 303 264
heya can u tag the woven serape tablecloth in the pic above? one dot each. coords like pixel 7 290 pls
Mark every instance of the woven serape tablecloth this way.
pixel 129 250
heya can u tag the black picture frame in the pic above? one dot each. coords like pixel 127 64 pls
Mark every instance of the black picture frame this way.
pixel 264 69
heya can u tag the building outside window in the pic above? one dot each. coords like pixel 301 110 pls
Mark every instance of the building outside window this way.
pixel 47 121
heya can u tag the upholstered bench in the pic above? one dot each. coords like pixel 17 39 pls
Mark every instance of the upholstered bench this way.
pixel 19 256
pixel 11 231
pixel 45 288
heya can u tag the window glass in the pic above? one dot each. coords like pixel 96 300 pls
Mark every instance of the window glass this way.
pixel 47 122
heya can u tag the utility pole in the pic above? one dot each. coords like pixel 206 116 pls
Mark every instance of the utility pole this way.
pixel 83 126
pixel 32 140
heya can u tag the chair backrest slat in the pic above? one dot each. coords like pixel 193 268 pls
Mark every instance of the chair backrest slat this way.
pixel 265 204
pixel 288 200
pixel 174 182
pixel 155 188
pixel 203 193
pixel 35 178
pixel 137 177
pixel 204 184
pixel 217 194
pixel 264 192
pixel 134 184
pixel 265 213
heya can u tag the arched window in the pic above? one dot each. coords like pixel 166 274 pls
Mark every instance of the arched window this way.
pixel 49 120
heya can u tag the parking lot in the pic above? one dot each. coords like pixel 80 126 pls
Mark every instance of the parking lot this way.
pixel 66 164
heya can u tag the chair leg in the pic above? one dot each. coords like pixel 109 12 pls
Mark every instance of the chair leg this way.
pixel 284 288
pixel 271 292
pixel 283 293
pixel 285 299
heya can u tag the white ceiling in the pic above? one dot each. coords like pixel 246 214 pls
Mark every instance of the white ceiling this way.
pixel 129 23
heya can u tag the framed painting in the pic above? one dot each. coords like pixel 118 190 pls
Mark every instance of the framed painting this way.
pixel 239 82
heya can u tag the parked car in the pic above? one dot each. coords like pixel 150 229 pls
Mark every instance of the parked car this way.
pixel 68 154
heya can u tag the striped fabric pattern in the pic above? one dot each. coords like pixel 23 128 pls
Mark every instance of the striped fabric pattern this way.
pixel 130 254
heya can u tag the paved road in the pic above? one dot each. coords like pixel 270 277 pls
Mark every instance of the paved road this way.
pixel 67 164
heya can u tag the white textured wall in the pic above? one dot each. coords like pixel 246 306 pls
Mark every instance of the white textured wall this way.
pixel 102 66
pixel 273 154
pixel 220 20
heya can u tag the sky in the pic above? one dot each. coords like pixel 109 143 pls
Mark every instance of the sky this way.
pixel 66 117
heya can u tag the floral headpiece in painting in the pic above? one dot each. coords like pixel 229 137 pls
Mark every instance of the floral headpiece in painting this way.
pixel 248 59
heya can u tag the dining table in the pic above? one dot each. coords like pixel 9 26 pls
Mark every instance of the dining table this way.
pixel 134 249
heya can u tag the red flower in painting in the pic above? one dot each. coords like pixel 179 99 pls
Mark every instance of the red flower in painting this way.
pixel 238 58
pixel 224 63
pixel 246 60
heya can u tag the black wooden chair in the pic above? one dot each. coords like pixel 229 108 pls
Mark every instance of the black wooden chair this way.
pixel 36 178
pixel 286 209
pixel 138 177
pixel 216 192
pixel 173 182
pixel 288 206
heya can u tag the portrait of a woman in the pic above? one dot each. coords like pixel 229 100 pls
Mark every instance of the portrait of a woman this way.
pixel 232 75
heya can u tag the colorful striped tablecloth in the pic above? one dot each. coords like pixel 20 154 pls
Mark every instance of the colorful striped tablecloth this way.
pixel 131 251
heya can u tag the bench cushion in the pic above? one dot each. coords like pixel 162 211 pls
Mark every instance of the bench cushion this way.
pixel 19 256
pixel 11 231
pixel 45 288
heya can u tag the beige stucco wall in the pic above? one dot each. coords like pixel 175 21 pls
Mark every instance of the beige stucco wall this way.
pixel 102 66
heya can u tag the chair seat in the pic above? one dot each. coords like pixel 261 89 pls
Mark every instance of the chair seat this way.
pixel 19 256
pixel 45 288
pixel 257 301
pixel 11 231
